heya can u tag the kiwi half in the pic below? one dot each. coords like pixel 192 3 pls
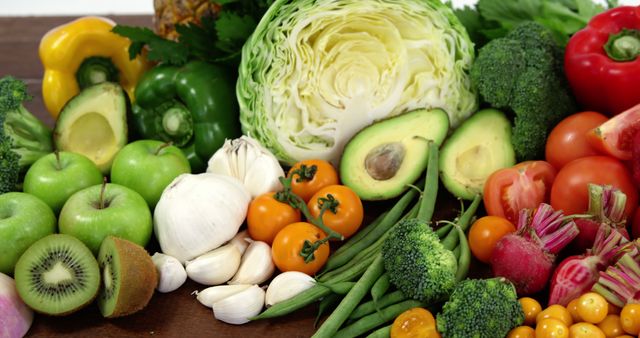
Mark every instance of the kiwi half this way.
pixel 57 275
pixel 129 277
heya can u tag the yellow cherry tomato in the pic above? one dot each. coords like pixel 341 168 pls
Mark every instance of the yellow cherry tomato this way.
pixel 625 336
pixel 613 309
pixel 630 318
pixel 556 311
pixel 522 332
pixel 414 323
pixel 573 310
pixel 585 330
pixel 551 328
pixel 531 309
pixel 592 307
pixel 611 326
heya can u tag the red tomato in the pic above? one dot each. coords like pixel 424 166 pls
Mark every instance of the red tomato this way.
pixel 614 136
pixel 524 185
pixel 570 193
pixel 568 140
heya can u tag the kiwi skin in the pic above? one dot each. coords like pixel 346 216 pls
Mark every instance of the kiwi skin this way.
pixel 135 280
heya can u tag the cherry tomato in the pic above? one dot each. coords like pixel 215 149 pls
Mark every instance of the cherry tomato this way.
pixel 349 213
pixel 630 318
pixel 585 330
pixel 267 216
pixel 289 241
pixel 524 185
pixel 485 233
pixel 592 307
pixel 613 310
pixel 568 139
pixel 414 323
pixel 551 328
pixel 531 309
pixel 572 307
pixel 570 193
pixel 556 311
pixel 311 180
pixel 625 336
pixel 611 326
pixel 522 332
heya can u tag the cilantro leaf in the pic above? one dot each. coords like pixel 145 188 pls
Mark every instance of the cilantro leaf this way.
pixel 233 30
pixel 159 49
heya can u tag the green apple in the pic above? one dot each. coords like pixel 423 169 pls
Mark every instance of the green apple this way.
pixel 93 213
pixel 148 167
pixel 55 177
pixel 24 219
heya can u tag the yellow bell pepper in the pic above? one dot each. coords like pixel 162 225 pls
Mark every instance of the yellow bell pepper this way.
pixel 85 52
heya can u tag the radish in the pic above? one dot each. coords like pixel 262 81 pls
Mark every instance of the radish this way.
pixel 620 283
pixel 527 256
pixel 576 275
pixel 15 316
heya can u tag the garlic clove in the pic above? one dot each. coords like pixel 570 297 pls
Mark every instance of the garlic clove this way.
pixel 239 307
pixel 241 241
pixel 256 266
pixel 286 285
pixel 215 267
pixel 213 294
pixel 171 272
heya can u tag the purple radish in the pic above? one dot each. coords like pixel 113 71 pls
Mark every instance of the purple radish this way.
pixel 15 316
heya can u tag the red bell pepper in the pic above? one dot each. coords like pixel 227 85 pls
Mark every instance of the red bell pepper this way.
pixel 602 64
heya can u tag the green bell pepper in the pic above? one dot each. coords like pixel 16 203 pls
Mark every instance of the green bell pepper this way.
pixel 194 107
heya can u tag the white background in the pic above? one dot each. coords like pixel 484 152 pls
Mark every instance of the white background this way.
pixel 104 7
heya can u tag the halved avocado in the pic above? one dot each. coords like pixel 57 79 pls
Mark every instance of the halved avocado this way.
pixel 480 146
pixel 94 124
pixel 381 160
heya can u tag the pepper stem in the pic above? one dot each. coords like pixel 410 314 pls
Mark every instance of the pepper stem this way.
pixel 176 122
pixel 623 46
pixel 96 69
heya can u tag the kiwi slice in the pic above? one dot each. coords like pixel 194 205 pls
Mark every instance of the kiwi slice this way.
pixel 57 275
pixel 129 277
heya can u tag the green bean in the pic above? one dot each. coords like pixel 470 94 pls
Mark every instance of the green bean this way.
pixel 351 300
pixel 367 254
pixel 298 301
pixel 456 251
pixel 450 241
pixel 325 304
pixel 464 259
pixel 465 219
pixel 371 306
pixel 376 319
pixel 383 332
pixel 358 236
pixel 444 230
pixel 340 288
pixel 430 191
pixel 380 287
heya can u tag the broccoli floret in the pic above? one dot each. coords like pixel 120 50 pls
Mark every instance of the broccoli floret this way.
pixel 417 263
pixel 23 136
pixel 480 308
pixel 522 73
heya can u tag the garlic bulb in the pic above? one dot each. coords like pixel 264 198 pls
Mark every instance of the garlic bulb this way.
pixel 247 160
pixel 171 272
pixel 256 266
pixel 213 294
pixel 239 307
pixel 215 267
pixel 198 213
pixel 287 285
pixel 241 241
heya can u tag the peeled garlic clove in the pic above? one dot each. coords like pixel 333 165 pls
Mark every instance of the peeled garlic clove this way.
pixel 256 266
pixel 241 241
pixel 213 294
pixel 238 308
pixel 287 285
pixel 215 267
pixel 171 272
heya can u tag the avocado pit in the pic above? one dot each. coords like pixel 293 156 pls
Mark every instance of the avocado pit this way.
pixel 383 161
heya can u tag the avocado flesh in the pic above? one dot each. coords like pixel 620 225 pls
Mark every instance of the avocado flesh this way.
pixel 381 160
pixel 480 146
pixel 93 123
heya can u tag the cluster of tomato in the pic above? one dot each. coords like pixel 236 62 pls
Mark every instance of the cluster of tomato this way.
pixel 280 224
pixel 588 316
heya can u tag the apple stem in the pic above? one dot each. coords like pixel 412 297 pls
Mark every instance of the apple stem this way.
pixel 162 146
pixel 57 153
pixel 104 187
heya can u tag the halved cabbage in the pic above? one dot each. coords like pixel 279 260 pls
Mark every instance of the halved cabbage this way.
pixel 315 72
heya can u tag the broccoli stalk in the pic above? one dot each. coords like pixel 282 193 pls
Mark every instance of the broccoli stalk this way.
pixel 23 137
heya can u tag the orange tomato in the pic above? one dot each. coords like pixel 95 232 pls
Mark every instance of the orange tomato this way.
pixel 288 243
pixel 347 216
pixel 558 312
pixel 312 180
pixel 414 323
pixel 485 233
pixel 531 309
pixel 522 332
pixel 630 318
pixel 573 310
pixel 592 307
pixel 585 330
pixel 611 326
pixel 551 328
pixel 267 216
